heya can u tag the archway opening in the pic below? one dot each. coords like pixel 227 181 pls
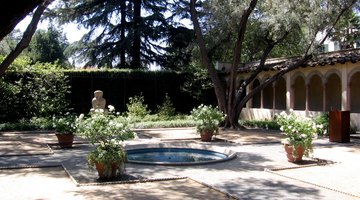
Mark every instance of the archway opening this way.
pixel 315 93
pixel 299 93
pixel 333 93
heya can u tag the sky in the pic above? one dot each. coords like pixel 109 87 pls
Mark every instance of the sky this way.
pixel 71 31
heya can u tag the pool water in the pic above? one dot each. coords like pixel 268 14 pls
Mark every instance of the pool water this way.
pixel 174 156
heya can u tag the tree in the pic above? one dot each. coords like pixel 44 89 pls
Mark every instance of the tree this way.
pixel 179 47
pixel 48 46
pixel 9 42
pixel 122 33
pixel 9 23
pixel 279 20
pixel 347 31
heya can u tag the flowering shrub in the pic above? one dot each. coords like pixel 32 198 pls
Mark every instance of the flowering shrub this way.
pixel 65 124
pixel 299 130
pixel 207 118
pixel 104 127
pixel 106 130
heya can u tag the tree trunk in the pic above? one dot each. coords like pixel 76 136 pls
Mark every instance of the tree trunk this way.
pixel 136 47
pixel 13 12
pixel 29 32
pixel 231 120
pixel 122 33
pixel 206 62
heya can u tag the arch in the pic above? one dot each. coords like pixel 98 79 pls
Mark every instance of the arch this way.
pixel 256 100
pixel 315 99
pixel 352 73
pixel 280 94
pixel 295 76
pixel 299 93
pixel 333 92
pixel 333 71
pixel 315 73
pixel 355 92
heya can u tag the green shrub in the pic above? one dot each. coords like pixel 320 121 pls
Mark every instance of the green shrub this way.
pixel 322 124
pixel 166 110
pixel 165 124
pixel 264 124
pixel 136 107
pixel 33 94
pixel 35 123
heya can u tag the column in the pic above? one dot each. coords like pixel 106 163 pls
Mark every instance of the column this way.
pixel 324 97
pixel 289 92
pixel 344 87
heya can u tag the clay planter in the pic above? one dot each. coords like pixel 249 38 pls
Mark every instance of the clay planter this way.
pixel 106 175
pixel 206 136
pixel 289 153
pixel 65 140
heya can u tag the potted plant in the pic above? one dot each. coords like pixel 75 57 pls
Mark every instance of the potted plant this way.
pixel 299 134
pixel 106 131
pixel 208 119
pixel 64 130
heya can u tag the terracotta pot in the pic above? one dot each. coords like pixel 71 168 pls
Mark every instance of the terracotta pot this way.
pixel 289 153
pixel 206 135
pixel 100 167
pixel 65 140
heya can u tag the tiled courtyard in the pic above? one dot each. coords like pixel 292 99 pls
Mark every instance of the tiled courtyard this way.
pixel 32 166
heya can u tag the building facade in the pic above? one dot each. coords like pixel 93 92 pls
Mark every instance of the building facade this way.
pixel 330 83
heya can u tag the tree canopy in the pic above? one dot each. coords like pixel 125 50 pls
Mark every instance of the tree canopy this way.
pixel 122 33
pixel 48 46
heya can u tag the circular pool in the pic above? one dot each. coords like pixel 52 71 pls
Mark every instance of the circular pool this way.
pixel 177 156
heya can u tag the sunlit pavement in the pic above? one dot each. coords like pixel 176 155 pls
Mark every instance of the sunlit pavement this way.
pixel 32 169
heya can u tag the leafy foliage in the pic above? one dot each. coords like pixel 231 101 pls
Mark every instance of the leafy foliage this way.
pixel 48 47
pixel 109 155
pixel 208 118
pixel 30 91
pixel 120 35
pixel 64 124
pixel 166 110
pixel 106 129
pixel 264 124
pixel 299 130
pixel 137 107
pixel 322 124
pixel 347 31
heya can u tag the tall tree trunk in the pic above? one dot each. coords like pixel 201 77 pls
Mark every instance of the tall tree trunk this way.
pixel 24 42
pixel 122 33
pixel 231 120
pixel 136 62
pixel 218 85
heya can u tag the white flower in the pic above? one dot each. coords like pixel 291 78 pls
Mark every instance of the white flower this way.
pixel 111 108
pixel 81 116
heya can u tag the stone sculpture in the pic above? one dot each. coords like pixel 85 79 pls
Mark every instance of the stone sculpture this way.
pixel 98 102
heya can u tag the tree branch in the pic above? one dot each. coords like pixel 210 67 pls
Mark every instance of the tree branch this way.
pixel 29 32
